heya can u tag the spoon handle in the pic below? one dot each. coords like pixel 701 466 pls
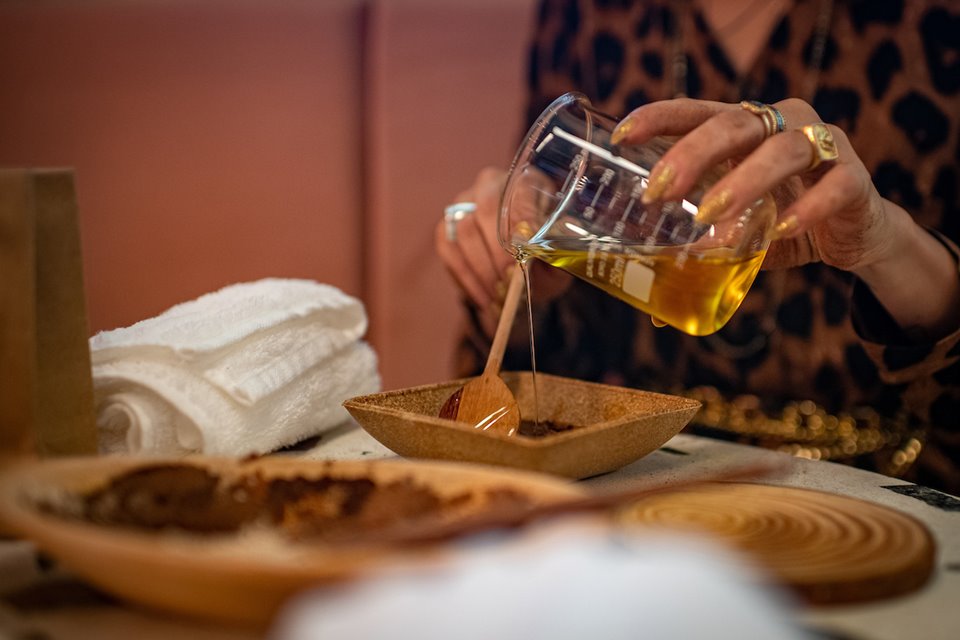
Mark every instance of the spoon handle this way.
pixel 514 515
pixel 500 338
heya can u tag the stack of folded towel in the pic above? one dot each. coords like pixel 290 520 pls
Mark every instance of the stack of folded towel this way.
pixel 248 369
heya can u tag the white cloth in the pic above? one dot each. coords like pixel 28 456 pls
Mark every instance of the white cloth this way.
pixel 562 583
pixel 247 369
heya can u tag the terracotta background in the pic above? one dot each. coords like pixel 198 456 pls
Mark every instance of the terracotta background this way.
pixel 229 140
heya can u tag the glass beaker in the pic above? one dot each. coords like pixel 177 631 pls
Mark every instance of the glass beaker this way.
pixel 573 200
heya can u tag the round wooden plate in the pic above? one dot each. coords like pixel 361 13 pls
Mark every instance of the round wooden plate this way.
pixel 241 578
pixel 828 548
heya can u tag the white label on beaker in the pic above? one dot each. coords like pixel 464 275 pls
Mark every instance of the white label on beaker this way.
pixel 637 281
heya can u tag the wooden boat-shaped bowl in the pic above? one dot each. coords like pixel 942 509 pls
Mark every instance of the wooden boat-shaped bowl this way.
pixel 611 426
pixel 241 577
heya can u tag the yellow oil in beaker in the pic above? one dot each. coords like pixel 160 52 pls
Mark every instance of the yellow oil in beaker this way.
pixel 696 292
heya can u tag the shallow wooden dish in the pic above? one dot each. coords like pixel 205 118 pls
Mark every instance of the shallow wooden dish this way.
pixel 614 426
pixel 238 578
pixel 830 549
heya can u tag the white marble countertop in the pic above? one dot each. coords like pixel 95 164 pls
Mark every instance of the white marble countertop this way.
pixel 931 612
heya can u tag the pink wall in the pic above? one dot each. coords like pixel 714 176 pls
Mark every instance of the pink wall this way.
pixel 445 99
pixel 223 141
pixel 211 146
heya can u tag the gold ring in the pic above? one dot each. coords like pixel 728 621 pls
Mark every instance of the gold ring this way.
pixel 771 117
pixel 822 144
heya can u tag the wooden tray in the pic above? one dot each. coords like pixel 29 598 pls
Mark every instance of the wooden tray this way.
pixel 614 426
pixel 830 549
pixel 235 578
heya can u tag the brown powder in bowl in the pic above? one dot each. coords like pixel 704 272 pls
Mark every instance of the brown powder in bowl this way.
pixel 542 429
pixel 328 508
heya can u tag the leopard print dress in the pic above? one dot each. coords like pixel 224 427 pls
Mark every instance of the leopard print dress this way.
pixel 809 340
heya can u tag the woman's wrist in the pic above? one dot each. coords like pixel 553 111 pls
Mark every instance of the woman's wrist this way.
pixel 915 278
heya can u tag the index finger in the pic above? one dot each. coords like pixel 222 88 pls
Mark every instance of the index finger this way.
pixel 666 118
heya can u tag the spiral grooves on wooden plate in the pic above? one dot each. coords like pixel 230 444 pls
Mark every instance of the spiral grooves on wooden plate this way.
pixel 829 548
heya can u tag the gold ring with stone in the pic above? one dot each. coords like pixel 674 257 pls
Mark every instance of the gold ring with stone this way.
pixel 771 117
pixel 453 214
pixel 822 144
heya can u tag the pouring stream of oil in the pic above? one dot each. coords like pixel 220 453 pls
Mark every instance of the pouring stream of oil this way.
pixel 524 262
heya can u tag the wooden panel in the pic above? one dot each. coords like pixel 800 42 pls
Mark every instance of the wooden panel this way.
pixel 18 318
pixel 445 98
pixel 213 142
pixel 46 392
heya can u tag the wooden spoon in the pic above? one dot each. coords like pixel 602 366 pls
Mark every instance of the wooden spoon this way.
pixel 514 515
pixel 486 402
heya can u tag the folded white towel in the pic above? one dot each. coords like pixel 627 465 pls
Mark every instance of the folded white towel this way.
pixel 247 369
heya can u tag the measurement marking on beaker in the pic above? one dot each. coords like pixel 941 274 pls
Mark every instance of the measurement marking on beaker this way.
pixel 656 229
pixel 622 222
pixel 614 200
pixel 546 140
pixel 603 153
pixel 605 178
pixel 596 196
pixel 577 159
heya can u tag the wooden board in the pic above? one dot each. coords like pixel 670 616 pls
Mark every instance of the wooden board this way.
pixel 46 391
pixel 830 549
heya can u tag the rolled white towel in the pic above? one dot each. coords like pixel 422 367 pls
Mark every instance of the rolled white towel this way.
pixel 247 369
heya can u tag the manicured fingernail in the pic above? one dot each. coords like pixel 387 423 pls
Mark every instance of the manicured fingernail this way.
pixel 621 131
pixel 659 183
pixel 657 322
pixel 711 208
pixel 786 227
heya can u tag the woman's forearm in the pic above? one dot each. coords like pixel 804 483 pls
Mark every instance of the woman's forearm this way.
pixel 917 280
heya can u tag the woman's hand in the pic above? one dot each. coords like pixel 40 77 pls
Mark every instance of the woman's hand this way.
pixel 836 215
pixel 475 259
pixel 832 212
